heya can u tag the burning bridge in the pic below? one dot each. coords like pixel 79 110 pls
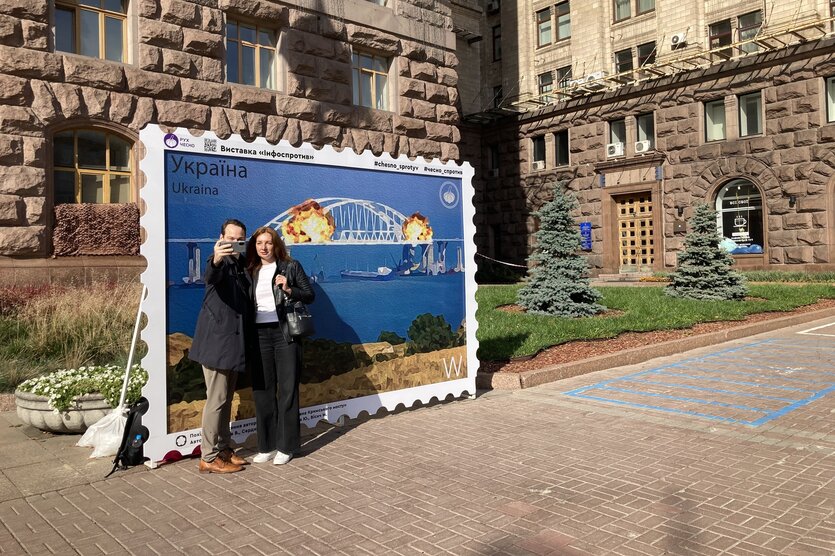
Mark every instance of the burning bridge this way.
pixel 339 220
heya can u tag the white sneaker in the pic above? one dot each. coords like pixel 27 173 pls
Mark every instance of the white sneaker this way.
pixel 282 458
pixel 264 457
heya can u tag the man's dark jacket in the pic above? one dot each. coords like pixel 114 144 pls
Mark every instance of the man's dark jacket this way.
pixel 224 326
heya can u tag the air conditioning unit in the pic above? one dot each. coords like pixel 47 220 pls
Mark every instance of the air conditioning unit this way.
pixel 538 165
pixel 643 146
pixel 576 82
pixel 493 173
pixel 614 149
pixel 493 6
pixel 595 80
pixel 678 39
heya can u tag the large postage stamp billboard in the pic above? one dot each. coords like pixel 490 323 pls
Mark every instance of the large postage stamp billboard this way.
pixel 386 243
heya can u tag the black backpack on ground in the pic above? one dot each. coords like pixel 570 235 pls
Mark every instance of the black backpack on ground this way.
pixel 131 450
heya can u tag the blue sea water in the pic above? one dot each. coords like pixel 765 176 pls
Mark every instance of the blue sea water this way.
pixel 345 310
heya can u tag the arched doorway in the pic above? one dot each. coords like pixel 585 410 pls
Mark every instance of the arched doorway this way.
pixel 739 217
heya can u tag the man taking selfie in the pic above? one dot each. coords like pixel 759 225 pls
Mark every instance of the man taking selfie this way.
pixel 220 344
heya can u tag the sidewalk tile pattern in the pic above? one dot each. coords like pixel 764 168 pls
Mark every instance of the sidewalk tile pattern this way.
pixel 530 472
pixel 750 384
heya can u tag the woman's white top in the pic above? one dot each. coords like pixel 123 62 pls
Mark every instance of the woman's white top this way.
pixel 264 300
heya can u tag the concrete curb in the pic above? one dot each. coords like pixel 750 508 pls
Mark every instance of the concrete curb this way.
pixel 535 377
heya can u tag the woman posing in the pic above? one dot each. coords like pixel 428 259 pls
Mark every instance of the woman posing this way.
pixel 277 278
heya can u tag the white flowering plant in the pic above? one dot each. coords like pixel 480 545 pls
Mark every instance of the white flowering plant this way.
pixel 64 385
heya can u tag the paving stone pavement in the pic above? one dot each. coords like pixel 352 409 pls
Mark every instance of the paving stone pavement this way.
pixel 530 472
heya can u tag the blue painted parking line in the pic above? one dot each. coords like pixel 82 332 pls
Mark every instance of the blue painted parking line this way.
pixel 739 382
pixel 666 409
pixel 712 390
pixel 792 407
pixel 780 368
pixel 699 373
pixel 761 375
pixel 684 399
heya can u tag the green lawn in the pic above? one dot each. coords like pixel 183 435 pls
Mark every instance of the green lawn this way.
pixel 503 335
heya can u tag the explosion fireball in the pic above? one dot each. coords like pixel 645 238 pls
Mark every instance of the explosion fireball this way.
pixel 416 228
pixel 308 223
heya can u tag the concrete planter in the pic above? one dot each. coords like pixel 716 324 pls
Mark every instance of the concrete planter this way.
pixel 35 410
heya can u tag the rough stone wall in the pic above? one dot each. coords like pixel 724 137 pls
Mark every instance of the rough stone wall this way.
pixel 176 77
pixel 794 156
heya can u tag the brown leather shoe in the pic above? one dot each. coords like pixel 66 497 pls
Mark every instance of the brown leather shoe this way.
pixel 218 466
pixel 232 457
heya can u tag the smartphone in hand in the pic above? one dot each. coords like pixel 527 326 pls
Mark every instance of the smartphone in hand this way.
pixel 237 246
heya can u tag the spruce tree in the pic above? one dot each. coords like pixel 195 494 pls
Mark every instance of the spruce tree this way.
pixel 558 282
pixel 705 269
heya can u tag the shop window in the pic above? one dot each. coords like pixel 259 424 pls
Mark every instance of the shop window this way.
pixel 545 85
pixel 646 128
pixel 370 80
pixel 715 120
pixel 94 28
pixel 645 6
pixel 622 9
pixel 830 99
pixel 250 55
pixel 561 148
pixel 749 26
pixel 543 23
pixel 497 43
pixel 91 166
pixel 646 54
pixel 563 21
pixel 623 60
pixel 617 131
pixel 739 217
pixel 750 114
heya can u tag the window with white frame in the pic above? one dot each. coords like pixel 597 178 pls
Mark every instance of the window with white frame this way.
pixel 645 6
pixel 748 27
pixel 543 26
pixel 546 85
pixel 370 80
pixel 646 54
pixel 719 35
pixel 623 60
pixel 617 131
pixel 830 99
pixel 251 55
pixel 563 76
pixel 646 128
pixel 561 148
pixel 92 166
pixel 750 114
pixel 539 150
pixel 622 9
pixel 94 28
pixel 739 217
pixel 563 20
pixel 715 120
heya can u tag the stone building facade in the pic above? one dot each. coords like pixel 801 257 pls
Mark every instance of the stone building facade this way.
pixel 79 80
pixel 644 108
